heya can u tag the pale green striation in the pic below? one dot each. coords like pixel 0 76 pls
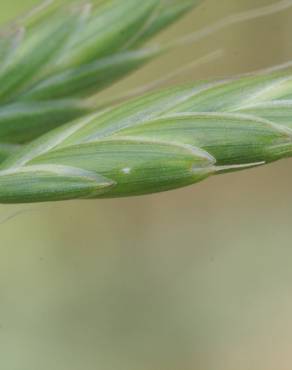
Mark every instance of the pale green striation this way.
pixel 51 63
pixel 158 142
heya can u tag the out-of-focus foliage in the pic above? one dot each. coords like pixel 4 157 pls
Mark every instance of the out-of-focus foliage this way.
pixel 53 60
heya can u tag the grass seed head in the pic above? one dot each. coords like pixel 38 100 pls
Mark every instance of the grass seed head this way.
pixel 157 142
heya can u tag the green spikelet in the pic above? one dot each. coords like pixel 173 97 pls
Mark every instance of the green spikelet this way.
pixel 157 142
pixel 51 63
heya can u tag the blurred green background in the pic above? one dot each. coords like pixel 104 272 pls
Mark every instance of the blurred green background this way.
pixel 194 279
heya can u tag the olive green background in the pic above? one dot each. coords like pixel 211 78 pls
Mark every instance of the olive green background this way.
pixel 194 279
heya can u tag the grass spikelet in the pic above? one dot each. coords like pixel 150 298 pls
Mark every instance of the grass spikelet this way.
pixel 158 142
